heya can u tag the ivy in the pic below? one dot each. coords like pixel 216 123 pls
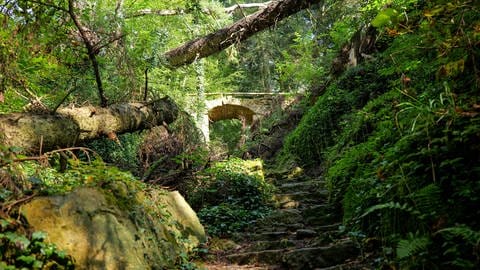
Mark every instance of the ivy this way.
pixel 17 251
pixel 230 195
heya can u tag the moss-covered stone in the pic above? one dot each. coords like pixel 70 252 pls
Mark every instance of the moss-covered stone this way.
pixel 99 234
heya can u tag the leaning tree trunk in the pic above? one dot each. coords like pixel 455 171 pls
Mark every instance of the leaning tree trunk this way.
pixel 43 132
pixel 239 31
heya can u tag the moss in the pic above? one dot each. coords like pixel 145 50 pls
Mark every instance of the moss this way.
pixel 321 124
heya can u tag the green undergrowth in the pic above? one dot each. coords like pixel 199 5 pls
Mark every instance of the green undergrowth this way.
pixel 230 195
pixel 157 152
pixel 320 125
pixel 20 248
pixel 398 138
pixel 227 134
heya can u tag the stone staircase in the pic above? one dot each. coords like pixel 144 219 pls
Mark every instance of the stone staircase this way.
pixel 302 233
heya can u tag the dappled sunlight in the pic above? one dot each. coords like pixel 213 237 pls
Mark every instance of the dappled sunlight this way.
pixel 344 137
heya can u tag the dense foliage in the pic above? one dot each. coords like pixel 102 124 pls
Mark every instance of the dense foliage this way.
pixel 396 134
pixel 398 138
pixel 231 195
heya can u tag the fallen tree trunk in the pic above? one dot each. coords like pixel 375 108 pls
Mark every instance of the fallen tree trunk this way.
pixel 239 31
pixel 37 133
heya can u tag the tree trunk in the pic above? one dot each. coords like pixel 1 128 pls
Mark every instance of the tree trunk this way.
pixel 91 50
pixel 239 31
pixel 39 133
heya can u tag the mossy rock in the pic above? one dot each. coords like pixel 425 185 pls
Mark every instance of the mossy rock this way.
pixel 101 234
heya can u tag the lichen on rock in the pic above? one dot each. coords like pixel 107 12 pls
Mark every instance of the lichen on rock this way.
pixel 100 233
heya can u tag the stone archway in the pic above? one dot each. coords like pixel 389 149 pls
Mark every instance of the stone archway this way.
pixel 231 111
pixel 247 107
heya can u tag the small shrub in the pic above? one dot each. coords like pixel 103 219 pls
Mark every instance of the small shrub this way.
pixel 122 153
pixel 230 195
pixel 227 218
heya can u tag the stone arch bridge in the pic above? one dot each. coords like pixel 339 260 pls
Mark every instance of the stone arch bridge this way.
pixel 247 107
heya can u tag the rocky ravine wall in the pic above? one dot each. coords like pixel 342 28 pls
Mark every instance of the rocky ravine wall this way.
pixel 103 231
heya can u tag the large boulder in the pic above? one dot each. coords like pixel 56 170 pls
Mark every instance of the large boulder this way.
pixel 114 228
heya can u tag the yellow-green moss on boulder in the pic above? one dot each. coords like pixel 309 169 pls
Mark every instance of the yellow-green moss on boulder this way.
pixel 101 234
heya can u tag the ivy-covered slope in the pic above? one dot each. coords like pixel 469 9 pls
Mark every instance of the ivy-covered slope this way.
pixel 398 138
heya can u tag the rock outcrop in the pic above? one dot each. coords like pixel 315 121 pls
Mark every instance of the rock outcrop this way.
pixel 114 227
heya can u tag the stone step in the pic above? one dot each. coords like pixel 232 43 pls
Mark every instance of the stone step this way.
pixel 322 220
pixel 306 205
pixel 317 209
pixel 318 257
pixel 301 197
pixel 291 179
pixel 267 236
pixel 305 233
pixel 291 218
pixel 299 258
pixel 281 216
pixel 328 227
pixel 265 227
pixel 345 266
pixel 272 244
pixel 271 256
pixel 286 174
pixel 223 266
pixel 306 186
pixel 303 204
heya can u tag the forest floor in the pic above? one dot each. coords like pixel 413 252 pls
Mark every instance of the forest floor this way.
pixel 303 232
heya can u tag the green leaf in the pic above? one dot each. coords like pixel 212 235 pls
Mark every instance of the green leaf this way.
pixel 18 239
pixel 5 266
pixel 15 149
pixel 39 236
pixel 37 264
pixel 385 17
pixel 29 260
pixel 412 246
pixel 4 223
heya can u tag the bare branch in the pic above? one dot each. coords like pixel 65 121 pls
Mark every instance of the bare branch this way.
pixel 112 39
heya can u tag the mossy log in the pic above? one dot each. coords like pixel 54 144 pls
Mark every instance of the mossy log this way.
pixel 71 125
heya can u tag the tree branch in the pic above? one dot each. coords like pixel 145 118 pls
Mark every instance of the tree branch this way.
pixel 239 31
pixel 49 5
pixel 89 44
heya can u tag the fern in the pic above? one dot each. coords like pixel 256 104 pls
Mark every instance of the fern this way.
pixel 428 200
pixel 390 206
pixel 413 245
pixel 461 231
